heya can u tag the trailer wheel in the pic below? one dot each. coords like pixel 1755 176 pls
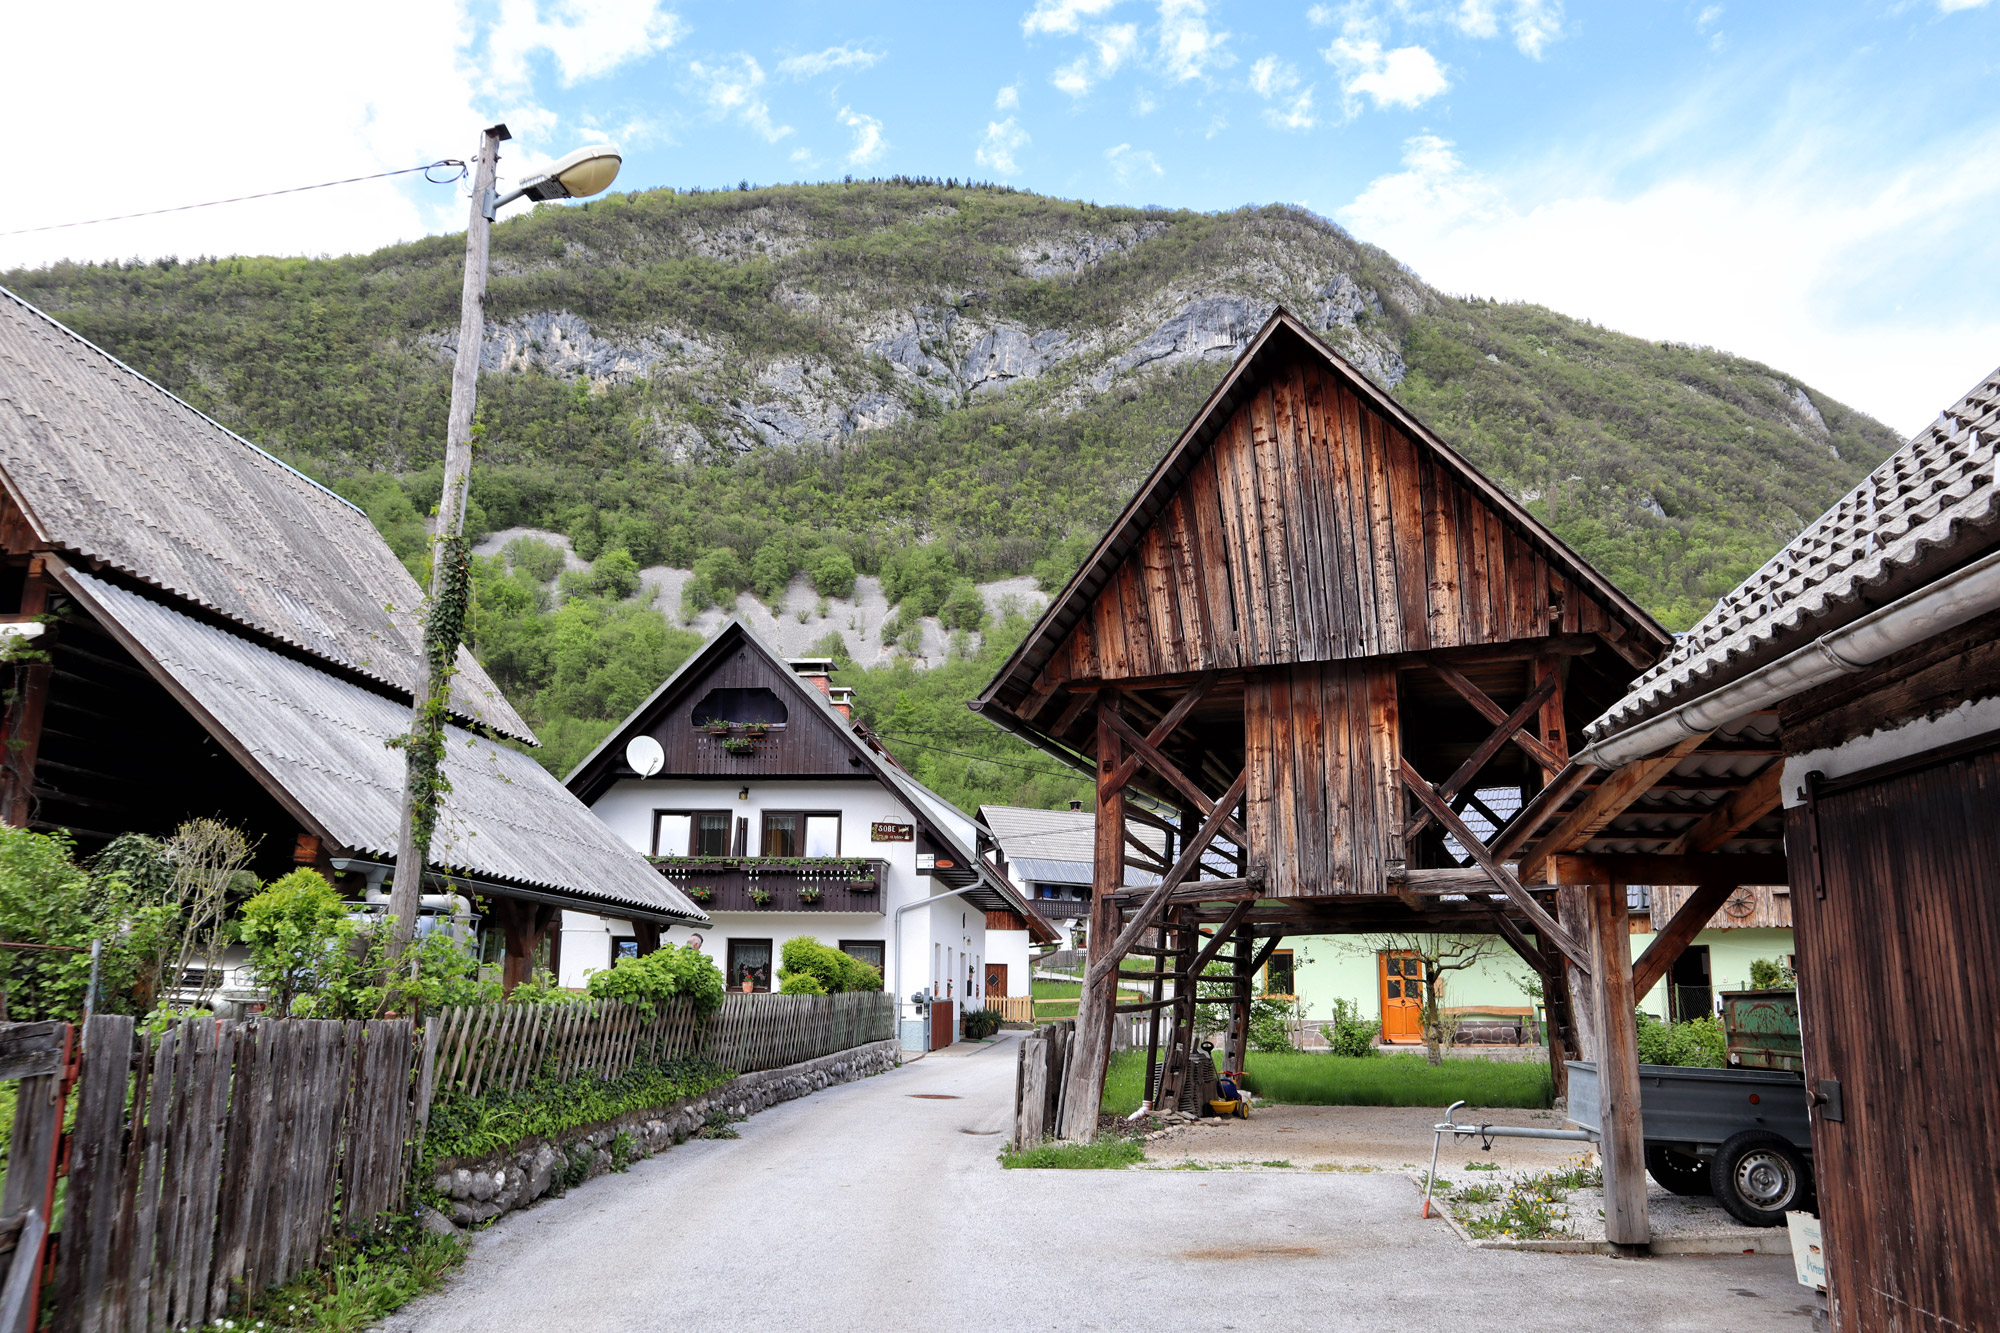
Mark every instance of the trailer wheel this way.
pixel 1757 1176
pixel 1677 1172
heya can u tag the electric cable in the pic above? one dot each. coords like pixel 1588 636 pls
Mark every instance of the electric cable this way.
pixel 427 168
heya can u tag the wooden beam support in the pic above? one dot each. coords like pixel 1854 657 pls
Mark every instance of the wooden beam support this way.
pixel 1604 804
pixel 1148 858
pixel 1518 942
pixel 1670 943
pixel 1220 938
pixel 1199 891
pixel 1157 899
pixel 1499 716
pixel 1544 924
pixel 1166 768
pixel 1165 726
pixel 1537 811
pixel 1508 730
pixel 1621 1139
pixel 1649 868
pixel 1736 812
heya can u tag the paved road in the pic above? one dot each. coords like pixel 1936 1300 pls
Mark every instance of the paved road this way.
pixel 879 1206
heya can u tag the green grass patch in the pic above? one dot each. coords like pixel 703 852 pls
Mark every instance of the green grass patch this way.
pixel 1103 1155
pixel 360 1283
pixel 1124 1083
pixel 1311 1079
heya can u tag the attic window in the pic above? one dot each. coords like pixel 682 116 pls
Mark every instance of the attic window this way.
pixel 740 707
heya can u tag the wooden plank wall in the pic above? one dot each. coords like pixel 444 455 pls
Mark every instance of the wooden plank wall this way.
pixel 1900 979
pixel 1322 741
pixel 220 1157
pixel 1315 529
pixel 1769 907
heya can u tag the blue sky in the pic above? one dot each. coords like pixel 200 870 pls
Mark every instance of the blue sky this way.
pixel 1811 184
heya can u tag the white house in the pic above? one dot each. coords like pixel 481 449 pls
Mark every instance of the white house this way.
pixel 748 783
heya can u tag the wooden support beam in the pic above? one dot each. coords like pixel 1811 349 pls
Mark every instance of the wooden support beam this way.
pixel 1518 942
pixel 1499 716
pixel 1199 891
pixel 1165 726
pixel 1166 768
pixel 1083 1082
pixel 646 936
pixel 1214 946
pixel 1156 901
pixel 1603 805
pixel 1263 954
pixel 1149 859
pixel 1670 943
pixel 524 924
pixel 1537 811
pixel 1651 868
pixel 1508 730
pixel 1552 725
pixel 1621 1141
pixel 1734 813
pixel 1544 924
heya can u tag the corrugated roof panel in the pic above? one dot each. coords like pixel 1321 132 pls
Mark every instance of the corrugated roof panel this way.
pixel 1906 515
pixel 325 742
pixel 111 467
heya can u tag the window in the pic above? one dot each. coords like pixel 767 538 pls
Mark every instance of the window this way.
pixel 740 708
pixel 749 965
pixel 691 832
pixel 623 946
pixel 801 833
pixel 1278 973
pixel 870 952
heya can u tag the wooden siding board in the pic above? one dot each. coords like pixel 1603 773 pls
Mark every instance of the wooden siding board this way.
pixel 1340 555
pixel 1212 552
pixel 1294 503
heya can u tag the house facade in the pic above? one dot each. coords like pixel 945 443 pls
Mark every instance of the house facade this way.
pixel 746 781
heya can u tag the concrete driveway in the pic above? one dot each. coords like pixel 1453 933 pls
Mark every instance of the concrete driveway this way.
pixel 879 1205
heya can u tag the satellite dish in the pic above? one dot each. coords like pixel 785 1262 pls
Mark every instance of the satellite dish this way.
pixel 644 756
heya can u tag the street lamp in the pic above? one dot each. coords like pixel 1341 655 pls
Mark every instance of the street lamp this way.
pixel 578 175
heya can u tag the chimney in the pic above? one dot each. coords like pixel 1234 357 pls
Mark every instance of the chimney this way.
pixel 818 670
pixel 843 699
pixel 1076 805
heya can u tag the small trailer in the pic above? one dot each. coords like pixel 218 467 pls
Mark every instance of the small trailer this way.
pixel 1739 1134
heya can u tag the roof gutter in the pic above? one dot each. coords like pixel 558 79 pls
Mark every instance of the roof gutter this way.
pixel 1960 596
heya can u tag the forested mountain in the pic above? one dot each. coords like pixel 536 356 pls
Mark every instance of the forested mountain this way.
pixel 918 382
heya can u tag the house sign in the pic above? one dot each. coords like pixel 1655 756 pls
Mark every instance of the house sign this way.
pixel 892 832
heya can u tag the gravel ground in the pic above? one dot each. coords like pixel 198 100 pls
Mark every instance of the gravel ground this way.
pixel 880 1205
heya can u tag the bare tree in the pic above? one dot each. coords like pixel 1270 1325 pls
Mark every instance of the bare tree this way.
pixel 1440 955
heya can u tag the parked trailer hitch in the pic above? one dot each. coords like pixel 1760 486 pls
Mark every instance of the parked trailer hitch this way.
pixel 1486 1133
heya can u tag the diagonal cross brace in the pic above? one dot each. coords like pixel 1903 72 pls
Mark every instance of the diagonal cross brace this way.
pixel 1190 860
pixel 1164 727
pixel 1143 749
pixel 1538 917
pixel 1493 713
pixel 1509 730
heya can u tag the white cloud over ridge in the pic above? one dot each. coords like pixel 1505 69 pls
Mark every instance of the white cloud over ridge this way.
pixel 1062 16
pixel 1003 139
pixel 1129 164
pixel 1189 47
pixel 1406 77
pixel 731 90
pixel 1779 265
pixel 846 56
pixel 869 145
pixel 1277 82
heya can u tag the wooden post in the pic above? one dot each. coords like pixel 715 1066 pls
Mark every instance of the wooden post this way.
pixel 1157 938
pixel 646 934
pixel 525 924
pixel 1083 1083
pixel 1238 1046
pixel 1573 910
pixel 21 730
pixel 1622 1140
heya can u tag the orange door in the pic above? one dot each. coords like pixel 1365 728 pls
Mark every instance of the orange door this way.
pixel 1402 997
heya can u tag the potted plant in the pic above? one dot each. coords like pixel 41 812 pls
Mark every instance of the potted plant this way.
pixel 758 728
pixel 809 893
pixel 700 893
pixel 760 895
pixel 717 728
pixel 738 745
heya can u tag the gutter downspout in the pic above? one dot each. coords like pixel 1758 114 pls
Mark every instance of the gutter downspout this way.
pixel 1951 601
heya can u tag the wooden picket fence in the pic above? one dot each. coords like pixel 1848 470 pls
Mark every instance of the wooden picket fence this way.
pixel 1038 1081
pixel 503 1046
pixel 220 1158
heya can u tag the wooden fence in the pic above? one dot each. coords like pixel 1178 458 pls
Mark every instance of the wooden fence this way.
pixel 219 1158
pixel 503 1046
pixel 1013 1008
pixel 1038 1081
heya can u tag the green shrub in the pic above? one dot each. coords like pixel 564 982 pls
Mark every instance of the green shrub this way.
pixel 547 1108
pixel 1770 974
pixel 832 572
pixel 1349 1034
pixel 540 560
pixel 981 1023
pixel 718 576
pixel 615 574
pixel 808 961
pixel 665 974
pixel 1270 1024
pixel 964 609
pixel 1698 1043
pixel 296 930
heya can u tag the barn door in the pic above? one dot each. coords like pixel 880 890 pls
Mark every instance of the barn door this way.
pixel 1402 996
pixel 996 980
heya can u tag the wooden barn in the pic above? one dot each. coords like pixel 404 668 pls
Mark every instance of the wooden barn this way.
pixel 1865 660
pixel 1321 642
pixel 193 628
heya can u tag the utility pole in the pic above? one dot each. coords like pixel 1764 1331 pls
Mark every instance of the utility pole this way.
pixel 451 573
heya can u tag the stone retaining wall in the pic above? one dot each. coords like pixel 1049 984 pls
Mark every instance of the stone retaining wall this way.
pixel 481 1189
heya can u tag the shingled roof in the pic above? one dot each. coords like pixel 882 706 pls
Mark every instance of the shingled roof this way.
pixel 110 468
pixel 1931 506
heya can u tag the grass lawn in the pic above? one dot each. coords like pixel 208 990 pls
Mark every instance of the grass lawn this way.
pixel 1058 999
pixel 1103 1155
pixel 1124 1082
pixel 1403 1079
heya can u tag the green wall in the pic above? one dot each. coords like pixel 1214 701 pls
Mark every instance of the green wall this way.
pixel 1327 967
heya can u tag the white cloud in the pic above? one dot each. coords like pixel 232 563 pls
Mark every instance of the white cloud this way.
pixel 1277 82
pixel 1062 16
pixel 1073 78
pixel 1188 46
pixel 1003 139
pixel 1007 98
pixel 1954 6
pixel 1408 76
pixel 1131 164
pixel 587 38
pixel 844 57
pixel 1321 16
pixel 1111 47
pixel 1708 18
pixel 869 145
pixel 731 90
pixel 1533 24
pixel 804 157
pixel 1785 265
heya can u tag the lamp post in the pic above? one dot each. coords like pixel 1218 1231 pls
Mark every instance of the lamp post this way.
pixel 585 172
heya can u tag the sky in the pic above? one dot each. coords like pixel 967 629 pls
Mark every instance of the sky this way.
pixel 1810 184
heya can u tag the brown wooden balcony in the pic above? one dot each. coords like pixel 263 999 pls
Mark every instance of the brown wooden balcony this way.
pixel 778 883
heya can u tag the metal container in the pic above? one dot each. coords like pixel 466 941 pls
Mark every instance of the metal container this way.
pixel 1762 1029
pixel 1702 1107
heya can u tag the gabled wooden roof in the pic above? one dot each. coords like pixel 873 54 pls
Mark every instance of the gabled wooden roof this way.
pixel 1355 561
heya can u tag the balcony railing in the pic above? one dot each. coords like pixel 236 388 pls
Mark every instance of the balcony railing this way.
pixel 778 883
